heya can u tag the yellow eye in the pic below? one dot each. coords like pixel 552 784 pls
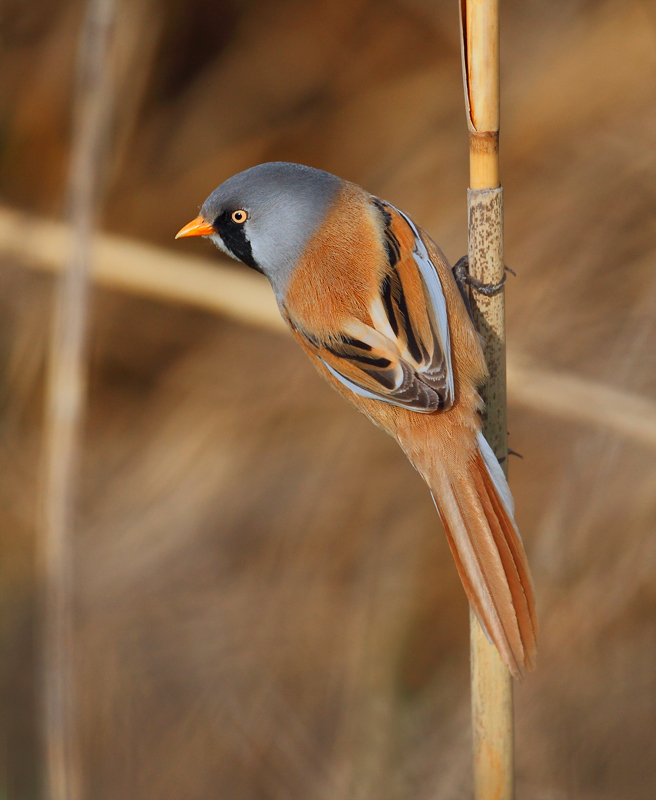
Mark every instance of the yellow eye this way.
pixel 239 216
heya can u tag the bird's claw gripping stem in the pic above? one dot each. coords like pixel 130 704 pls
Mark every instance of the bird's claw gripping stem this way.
pixel 464 279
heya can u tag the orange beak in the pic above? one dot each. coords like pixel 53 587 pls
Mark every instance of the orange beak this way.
pixel 197 227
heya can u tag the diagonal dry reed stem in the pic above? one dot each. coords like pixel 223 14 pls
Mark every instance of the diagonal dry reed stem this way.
pixel 219 286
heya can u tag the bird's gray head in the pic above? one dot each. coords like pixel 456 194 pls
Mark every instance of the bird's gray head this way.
pixel 266 215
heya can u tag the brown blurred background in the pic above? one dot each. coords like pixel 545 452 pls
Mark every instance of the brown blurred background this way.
pixel 265 604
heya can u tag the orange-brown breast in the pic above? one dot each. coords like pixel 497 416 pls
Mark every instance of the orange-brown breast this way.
pixel 341 268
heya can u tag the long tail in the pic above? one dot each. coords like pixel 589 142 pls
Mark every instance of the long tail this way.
pixel 476 508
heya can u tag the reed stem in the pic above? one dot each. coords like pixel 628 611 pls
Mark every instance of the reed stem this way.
pixel 65 403
pixel 491 683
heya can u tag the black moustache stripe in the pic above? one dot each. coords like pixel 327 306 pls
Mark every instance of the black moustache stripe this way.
pixel 235 239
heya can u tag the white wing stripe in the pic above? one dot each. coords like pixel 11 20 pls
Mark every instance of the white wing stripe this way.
pixel 365 393
pixel 436 294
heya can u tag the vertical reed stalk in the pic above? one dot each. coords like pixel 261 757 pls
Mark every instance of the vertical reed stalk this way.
pixel 491 683
pixel 65 406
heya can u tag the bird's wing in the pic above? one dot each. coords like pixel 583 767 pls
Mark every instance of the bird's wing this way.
pixel 411 308
pixel 366 362
pixel 402 354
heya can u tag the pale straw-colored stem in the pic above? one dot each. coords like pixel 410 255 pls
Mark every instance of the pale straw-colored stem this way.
pixel 64 409
pixel 480 28
pixel 491 683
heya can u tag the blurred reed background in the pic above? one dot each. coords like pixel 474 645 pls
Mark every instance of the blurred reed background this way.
pixel 265 604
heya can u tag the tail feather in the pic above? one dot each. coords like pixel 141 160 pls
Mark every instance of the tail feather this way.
pixel 477 515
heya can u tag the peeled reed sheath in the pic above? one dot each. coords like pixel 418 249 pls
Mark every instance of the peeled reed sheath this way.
pixel 491 683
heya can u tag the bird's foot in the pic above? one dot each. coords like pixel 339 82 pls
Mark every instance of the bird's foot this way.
pixel 510 453
pixel 464 279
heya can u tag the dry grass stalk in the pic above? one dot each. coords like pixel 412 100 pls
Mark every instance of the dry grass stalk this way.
pixel 491 684
pixel 143 269
pixel 218 286
pixel 65 406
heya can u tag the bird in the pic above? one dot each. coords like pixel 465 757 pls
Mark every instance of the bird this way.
pixel 373 302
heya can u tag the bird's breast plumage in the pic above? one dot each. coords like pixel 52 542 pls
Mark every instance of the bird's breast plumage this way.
pixel 341 267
